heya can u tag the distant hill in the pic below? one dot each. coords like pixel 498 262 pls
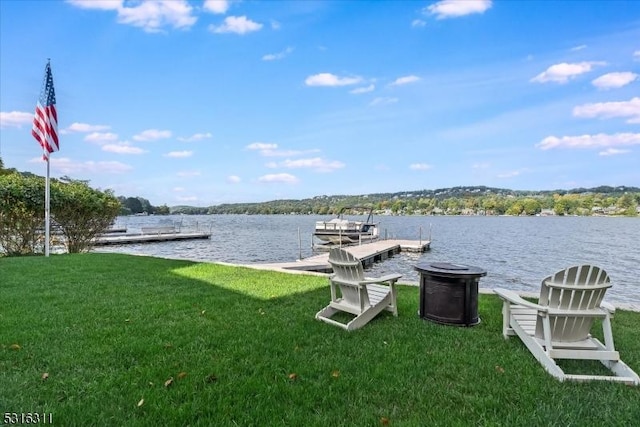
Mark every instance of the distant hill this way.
pixel 326 204
pixel 481 190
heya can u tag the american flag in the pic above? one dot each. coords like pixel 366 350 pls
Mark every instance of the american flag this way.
pixel 45 121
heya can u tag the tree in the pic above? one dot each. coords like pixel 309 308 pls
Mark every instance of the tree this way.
pixel 21 214
pixel 625 201
pixel 627 204
pixel 515 209
pixel 398 206
pixel 146 206
pixel 162 210
pixel 560 207
pixel 531 206
pixel 133 204
pixel 81 212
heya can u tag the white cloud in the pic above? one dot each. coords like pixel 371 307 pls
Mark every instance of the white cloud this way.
pixel 418 23
pixel 562 73
pixel 380 101
pixel 97 4
pixel 613 152
pixel 108 140
pixel 287 153
pixel 65 166
pixel 261 146
pixel 328 79
pixel 420 166
pixel 405 80
pixel 85 128
pixel 316 163
pixel 636 55
pixel 122 148
pixel 456 8
pixel 179 154
pixel 233 179
pixel 237 25
pixel 590 141
pixel 15 119
pixel 178 189
pixel 275 25
pixel 607 110
pixel 279 178
pixel 101 137
pixel 196 137
pixel 614 80
pixel 578 48
pixel 271 150
pixel 151 16
pixel 152 135
pixel 279 55
pixel 364 89
pixel 216 6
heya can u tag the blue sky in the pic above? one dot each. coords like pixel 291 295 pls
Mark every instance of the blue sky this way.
pixel 208 102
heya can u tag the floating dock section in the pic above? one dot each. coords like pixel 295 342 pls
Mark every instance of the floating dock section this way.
pixel 367 253
pixel 127 239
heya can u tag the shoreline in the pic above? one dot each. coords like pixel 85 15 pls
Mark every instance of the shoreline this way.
pixel 272 267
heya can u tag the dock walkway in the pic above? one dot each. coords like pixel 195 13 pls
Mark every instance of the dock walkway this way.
pixel 368 253
pixel 147 238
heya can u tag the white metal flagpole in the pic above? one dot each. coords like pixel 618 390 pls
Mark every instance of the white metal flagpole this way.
pixel 46 213
pixel 45 131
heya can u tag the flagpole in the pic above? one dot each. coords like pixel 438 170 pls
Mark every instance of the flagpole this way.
pixel 45 131
pixel 46 213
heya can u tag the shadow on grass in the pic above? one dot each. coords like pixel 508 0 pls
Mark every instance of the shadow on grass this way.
pixel 144 341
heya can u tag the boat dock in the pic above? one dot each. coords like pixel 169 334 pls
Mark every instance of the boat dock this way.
pixel 368 253
pixel 147 238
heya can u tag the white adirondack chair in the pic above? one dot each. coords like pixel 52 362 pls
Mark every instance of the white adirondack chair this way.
pixel 363 297
pixel 559 326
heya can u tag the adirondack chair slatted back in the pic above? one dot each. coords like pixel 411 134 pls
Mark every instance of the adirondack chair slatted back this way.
pixel 576 288
pixel 347 268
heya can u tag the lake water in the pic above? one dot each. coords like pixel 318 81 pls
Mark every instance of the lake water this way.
pixel 517 252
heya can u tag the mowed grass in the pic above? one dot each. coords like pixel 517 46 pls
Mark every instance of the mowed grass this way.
pixel 109 339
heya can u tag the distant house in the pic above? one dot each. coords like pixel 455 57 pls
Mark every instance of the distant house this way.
pixel 547 212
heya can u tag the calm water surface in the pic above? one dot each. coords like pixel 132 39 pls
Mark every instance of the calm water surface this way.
pixel 517 252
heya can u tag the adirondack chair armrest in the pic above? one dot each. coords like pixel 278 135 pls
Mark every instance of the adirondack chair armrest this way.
pixel 391 278
pixel 514 298
pixel 606 306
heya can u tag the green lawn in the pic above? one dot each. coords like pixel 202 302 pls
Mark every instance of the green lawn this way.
pixel 108 339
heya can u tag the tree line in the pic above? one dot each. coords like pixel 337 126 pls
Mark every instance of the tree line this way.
pixel 452 201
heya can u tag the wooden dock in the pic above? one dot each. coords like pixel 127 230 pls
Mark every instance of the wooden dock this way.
pixel 368 253
pixel 147 238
